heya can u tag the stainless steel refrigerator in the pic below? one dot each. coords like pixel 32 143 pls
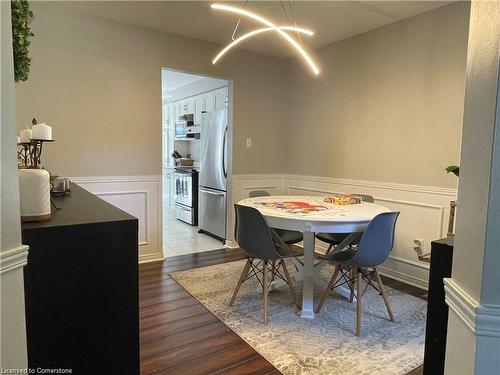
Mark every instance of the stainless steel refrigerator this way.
pixel 213 173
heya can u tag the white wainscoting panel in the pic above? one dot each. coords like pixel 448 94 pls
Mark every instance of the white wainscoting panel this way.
pixel 424 212
pixel 140 196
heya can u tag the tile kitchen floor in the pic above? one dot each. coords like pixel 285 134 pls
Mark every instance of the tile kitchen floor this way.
pixel 180 238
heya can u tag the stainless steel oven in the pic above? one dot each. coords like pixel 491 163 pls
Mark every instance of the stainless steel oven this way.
pixel 186 195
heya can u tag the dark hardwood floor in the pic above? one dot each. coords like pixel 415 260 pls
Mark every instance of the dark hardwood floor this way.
pixel 180 336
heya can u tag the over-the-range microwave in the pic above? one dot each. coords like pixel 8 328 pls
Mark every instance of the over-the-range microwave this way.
pixel 184 127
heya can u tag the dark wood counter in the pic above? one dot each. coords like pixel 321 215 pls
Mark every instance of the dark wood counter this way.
pixel 81 287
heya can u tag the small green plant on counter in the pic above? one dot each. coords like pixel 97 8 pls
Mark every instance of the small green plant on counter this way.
pixel 21 34
pixel 453 169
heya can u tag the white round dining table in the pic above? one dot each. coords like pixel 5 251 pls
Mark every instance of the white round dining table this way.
pixel 311 215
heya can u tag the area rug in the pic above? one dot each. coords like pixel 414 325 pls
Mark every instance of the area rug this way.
pixel 325 345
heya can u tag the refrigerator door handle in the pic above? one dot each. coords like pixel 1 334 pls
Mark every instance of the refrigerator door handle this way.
pixel 224 171
pixel 211 192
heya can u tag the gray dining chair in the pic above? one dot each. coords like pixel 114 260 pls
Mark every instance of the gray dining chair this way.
pixel 289 236
pixel 266 252
pixel 374 247
pixel 334 239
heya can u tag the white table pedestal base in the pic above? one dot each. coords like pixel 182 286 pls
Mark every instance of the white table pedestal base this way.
pixel 308 277
pixel 308 272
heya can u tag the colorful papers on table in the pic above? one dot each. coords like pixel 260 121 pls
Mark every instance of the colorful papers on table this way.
pixel 342 199
pixel 292 207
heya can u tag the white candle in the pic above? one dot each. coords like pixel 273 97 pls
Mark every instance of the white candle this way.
pixel 25 135
pixel 42 131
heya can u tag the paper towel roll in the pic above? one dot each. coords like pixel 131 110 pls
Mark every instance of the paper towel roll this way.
pixel 34 194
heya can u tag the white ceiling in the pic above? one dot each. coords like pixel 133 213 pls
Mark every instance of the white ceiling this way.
pixel 331 20
pixel 177 79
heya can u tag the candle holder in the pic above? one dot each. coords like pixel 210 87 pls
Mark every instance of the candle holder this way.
pixel 23 154
pixel 29 154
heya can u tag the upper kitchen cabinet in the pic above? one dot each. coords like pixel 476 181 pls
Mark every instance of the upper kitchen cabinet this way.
pixel 200 107
pixel 220 98
pixel 178 109
pixel 209 101
pixel 189 105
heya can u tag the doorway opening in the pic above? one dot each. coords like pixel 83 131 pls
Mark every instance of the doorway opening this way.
pixel 196 161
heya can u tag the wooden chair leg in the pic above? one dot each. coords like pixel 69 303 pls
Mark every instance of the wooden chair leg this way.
pixel 358 301
pixel 329 249
pixel 327 290
pixel 265 288
pixel 290 285
pixel 384 295
pixel 244 274
pixel 273 265
pixel 351 285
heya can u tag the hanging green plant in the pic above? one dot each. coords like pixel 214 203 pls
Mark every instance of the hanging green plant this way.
pixel 21 34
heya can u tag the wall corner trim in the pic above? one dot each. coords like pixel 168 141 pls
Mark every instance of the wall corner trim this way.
pixel 488 321
pixel 14 258
pixel 482 320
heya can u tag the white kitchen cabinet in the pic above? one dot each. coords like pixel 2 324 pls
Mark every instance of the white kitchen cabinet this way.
pixel 199 106
pixel 168 186
pixel 209 101
pixel 172 188
pixel 168 146
pixel 171 112
pixel 168 115
pixel 178 110
pixel 189 105
pixel 167 164
pixel 221 98
pixel 165 115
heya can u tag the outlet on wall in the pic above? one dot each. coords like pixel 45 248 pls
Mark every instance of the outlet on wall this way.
pixel 249 143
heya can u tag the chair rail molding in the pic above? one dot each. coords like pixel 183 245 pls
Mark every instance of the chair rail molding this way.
pixel 14 258
pixel 140 196
pixel 424 212
pixel 481 319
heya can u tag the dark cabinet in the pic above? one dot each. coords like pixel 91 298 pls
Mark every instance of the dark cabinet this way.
pixel 81 288
pixel 437 310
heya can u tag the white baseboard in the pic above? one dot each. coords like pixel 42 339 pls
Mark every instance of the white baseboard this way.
pixel 411 272
pixel 231 244
pixel 148 258
pixel 424 212
pixel 140 196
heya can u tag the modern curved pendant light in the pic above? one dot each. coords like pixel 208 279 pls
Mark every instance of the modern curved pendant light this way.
pixel 270 27
pixel 255 32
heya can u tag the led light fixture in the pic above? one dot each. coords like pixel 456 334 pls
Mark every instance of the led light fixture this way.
pixel 270 27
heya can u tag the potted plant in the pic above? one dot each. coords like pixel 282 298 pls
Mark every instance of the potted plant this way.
pixel 455 169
